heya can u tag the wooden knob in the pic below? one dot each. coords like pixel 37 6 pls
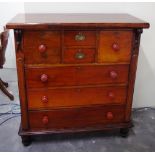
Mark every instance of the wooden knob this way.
pixel 110 115
pixel 42 48
pixel 113 75
pixel 111 95
pixel 44 78
pixel 115 47
pixel 78 68
pixel 44 99
pixel 45 120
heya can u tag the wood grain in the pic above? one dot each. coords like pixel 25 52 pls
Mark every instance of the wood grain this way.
pixel 60 93
pixel 52 42
pixel 79 75
pixel 76 96
pixel 75 117
pixel 70 38
pixel 75 20
pixel 106 51
pixel 71 55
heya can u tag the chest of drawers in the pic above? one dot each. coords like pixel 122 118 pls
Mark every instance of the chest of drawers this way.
pixel 76 72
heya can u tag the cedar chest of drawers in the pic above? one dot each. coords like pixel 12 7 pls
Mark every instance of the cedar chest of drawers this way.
pixel 76 72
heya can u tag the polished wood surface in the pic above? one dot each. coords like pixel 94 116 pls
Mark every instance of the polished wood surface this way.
pixel 75 117
pixel 79 75
pixel 79 37
pixel 76 96
pixel 43 47
pixel 79 55
pixel 45 21
pixel 76 71
pixel 3 45
pixel 115 46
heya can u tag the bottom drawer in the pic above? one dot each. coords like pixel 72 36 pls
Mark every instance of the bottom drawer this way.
pixel 72 118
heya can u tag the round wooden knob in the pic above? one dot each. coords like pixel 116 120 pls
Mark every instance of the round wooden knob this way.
pixel 42 48
pixel 110 115
pixel 113 75
pixel 45 120
pixel 44 99
pixel 111 95
pixel 44 78
pixel 115 47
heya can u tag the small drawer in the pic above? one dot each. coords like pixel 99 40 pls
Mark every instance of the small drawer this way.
pixel 79 55
pixel 115 46
pixel 82 38
pixel 77 96
pixel 44 77
pixel 76 117
pixel 42 47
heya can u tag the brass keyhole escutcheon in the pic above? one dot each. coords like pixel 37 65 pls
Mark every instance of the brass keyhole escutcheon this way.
pixel 80 37
pixel 79 55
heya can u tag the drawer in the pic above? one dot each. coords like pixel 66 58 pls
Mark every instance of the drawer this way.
pixel 42 47
pixel 37 77
pixel 76 117
pixel 79 55
pixel 77 96
pixel 115 46
pixel 82 38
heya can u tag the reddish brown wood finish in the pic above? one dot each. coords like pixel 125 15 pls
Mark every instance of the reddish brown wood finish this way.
pixel 132 76
pixel 62 91
pixel 79 55
pixel 115 46
pixel 75 20
pixel 79 75
pixel 75 117
pixel 86 38
pixel 75 96
pixel 43 47
pixel 3 45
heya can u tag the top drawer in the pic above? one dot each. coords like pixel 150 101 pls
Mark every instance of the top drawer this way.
pixel 42 47
pixel 115 46
pixel 80 38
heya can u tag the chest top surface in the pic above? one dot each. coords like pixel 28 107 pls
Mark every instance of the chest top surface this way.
pixel 26 21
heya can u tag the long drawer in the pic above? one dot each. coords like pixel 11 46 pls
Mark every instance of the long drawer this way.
pixel 76 117
pixel 76 96
pixel 37 77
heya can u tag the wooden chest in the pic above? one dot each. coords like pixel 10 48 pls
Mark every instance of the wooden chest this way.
pixel 76 72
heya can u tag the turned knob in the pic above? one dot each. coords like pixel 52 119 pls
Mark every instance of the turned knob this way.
pixel 45 120
pixel 113 74
pixel 44 99
pixel 44 78
pixel 110 115
pixel 115 46
pixel 111 95
pixel 42 48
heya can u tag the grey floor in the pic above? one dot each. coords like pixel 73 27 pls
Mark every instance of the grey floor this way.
pixel 141 137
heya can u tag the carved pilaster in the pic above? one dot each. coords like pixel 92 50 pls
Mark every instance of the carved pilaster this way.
pixel 21 78
pixel 132 76
pixel 22 91
pixel 137 41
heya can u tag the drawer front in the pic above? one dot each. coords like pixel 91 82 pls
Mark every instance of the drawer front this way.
pixel 79 55
pixel 82 38
pixel 115 46
pixel 78 96
pixel 76 117
pixel 41 47
pixel 76 75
